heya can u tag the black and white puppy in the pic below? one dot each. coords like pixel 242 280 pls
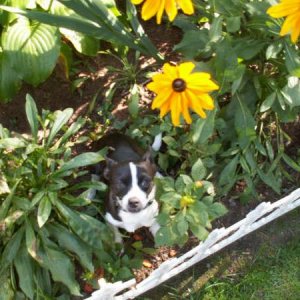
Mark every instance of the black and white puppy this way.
pixel 130 174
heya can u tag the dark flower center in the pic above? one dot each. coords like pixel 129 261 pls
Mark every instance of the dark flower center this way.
pixel 179 85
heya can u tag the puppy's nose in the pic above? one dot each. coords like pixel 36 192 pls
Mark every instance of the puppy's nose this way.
pixel 133 202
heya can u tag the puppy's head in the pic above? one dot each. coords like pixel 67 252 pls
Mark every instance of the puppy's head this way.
pixel 131 183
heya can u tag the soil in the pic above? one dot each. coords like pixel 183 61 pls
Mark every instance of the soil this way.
pixel 56 94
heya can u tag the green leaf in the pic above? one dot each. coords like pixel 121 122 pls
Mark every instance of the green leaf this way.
pixel 4 188
pixel 12 143
pixel 31 242
pixel 171 198
pixel 292 60
pixel 164 236
pixel 203 129
pixel 270 180
pixel 182 226
pixel 268 102
pixel 69 241
pixel 244 122
pixel 32 114
pixel 92 18
pixel 10 83
pixel 44 211
pixel 72 129
pixel 233 24
pixel 32 49
pixel 228 173
pixel 133 105
pixel 217 210
pixel 215 32
pixel 81 160
pixel 60 267
pixel 82 43
pixel 274 49
pixel 291 92
pixel 198 170
pixel 199 231
pixel 193 43
pixel 87 228
pixel 25 270
pixel 248 47
pixel 11 249
pixel 131 14
pixel 61 119
pixel 291 162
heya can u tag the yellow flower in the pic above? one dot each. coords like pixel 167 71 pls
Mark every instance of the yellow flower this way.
pixel 186 201
pixel 198 184
pixel 291 10
pixel 178 89
pixel 156 7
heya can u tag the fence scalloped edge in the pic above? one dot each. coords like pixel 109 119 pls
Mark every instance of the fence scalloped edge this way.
pixel 264 213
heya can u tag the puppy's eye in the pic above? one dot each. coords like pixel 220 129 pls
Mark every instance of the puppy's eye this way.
pixel 145 184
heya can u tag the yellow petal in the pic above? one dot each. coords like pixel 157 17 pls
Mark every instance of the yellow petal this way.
pixel 185 69
pixel 206 101
pixel 175 106
pixel 296 31
pixel 171 9
pixel 186 6
pixel 185 108
pixel 195 104
pixel 164 109
pixel 160 11
pixel 149 9
pixel 291 25
pixel 156 87
pixel 170 71
pixel 200 83
pixel 283 9
pixel 136 2
pixel 163 96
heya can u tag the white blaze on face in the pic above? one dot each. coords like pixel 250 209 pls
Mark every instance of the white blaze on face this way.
pixel 135 191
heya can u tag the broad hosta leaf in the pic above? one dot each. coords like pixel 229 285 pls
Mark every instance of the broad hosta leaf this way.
pixel 24 266
pixel 82 43
pixel 32 49
pixel 32 113
pixel 10 83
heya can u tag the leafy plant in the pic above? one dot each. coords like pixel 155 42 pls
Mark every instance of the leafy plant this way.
pixel 29 49
pixel 187 205
pixel 47 223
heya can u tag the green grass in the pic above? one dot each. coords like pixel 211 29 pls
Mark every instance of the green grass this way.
pixel 274 274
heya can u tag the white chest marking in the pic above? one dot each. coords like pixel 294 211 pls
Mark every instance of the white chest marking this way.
pixel 132 221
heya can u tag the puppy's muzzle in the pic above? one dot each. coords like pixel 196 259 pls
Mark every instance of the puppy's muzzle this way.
pixel 134 205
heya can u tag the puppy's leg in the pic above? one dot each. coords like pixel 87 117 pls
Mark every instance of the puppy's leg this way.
pixel 117 234
pixel 154 228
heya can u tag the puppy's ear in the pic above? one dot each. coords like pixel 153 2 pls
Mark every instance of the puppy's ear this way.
pixel 148 155
pixel 107 170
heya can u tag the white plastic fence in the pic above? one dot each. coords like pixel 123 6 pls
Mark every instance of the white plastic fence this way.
pixel 217 240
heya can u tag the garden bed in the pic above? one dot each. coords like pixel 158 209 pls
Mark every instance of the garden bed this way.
pixel 87 88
